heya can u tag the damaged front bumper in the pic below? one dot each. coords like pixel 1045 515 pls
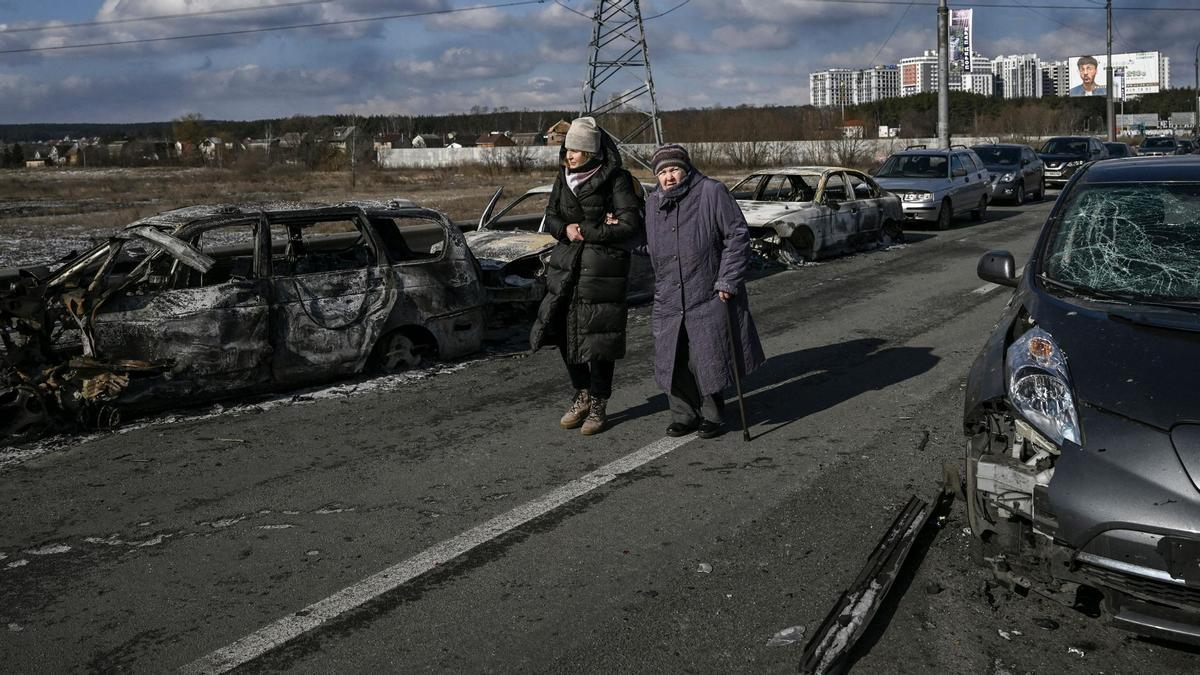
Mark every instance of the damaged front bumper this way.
pixel 1120 516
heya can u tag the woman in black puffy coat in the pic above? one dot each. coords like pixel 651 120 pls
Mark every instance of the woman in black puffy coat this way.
pixel 585 308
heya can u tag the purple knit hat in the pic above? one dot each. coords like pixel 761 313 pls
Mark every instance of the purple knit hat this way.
pixel 671 154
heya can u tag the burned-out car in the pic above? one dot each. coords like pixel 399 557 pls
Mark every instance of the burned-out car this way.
pixel 209 302
pixel 513 249
pixel 1082 411
pixel 808 212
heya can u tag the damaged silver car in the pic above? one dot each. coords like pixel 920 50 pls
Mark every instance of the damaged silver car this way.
pixel 513 249
pixel 809 212
pixel 1081 413
pixel 210 302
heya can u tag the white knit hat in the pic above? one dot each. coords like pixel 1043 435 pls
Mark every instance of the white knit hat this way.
pixel 583 135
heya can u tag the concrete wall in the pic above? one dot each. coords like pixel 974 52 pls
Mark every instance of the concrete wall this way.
pixel 763 153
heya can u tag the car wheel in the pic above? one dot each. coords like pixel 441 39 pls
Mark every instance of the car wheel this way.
pixel 1042 190
pixel 890 234
pixel 798 249
pixel 397 351
pixel 1019 198
pixel 980 212
pixel 945 215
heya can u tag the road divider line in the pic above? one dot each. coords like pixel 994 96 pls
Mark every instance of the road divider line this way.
pixel 292 626
pixel 987 288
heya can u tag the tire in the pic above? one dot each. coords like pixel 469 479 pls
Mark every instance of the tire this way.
pixel 396 352
pixel 797 250
pixel 890 233
pixel 1019 198
pixel 980 212
pixel 945 215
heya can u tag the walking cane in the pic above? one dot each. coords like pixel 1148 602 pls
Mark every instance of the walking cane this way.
pixel 737 380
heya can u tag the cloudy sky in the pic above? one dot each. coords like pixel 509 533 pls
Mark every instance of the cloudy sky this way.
pixel 705 53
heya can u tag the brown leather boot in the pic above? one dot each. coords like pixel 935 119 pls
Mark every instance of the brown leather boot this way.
pixel 597 417
pixel 577 412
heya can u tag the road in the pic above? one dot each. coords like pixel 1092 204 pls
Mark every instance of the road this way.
pixel 321 527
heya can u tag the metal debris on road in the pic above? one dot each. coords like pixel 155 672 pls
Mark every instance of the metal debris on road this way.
pixel 787 636
pixel 704 568
pixel 1076 651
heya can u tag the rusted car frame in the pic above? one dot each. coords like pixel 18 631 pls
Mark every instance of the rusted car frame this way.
pixel 205 303
pixel 804 213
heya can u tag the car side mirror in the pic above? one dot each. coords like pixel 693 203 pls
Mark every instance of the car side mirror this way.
pixel 1025 162
pixel 998 267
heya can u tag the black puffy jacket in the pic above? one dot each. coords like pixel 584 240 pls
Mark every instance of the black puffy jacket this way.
pixel 585 305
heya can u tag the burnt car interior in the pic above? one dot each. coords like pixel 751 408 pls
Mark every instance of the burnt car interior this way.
pixel 777 188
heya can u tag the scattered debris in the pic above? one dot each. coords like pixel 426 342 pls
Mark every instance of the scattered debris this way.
pixel 1076 651
pixel 312 552
pixel 49 549
pixel 848 620
pixel 787 636
pixel 1046 624
pixel 16 627
pixel 704 568
pixel 17 563
pixel 279 526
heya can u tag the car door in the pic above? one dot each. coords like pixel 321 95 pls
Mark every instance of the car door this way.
pixel 332 292
pixel 837 214
pixel 209 326
pixel 867 209
pixel 980 177
pixel 1031 168
pixel 960 184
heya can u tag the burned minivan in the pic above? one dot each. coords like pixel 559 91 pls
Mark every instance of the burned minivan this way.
pixel 209 302
pixel 1082 411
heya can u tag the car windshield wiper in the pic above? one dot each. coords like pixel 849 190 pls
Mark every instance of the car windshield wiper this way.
pixel 1087 291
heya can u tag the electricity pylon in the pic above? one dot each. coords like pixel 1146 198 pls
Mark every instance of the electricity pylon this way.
pixel 618 76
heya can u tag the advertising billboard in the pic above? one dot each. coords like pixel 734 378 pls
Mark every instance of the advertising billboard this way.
pixel 960 40
pixel 1089 74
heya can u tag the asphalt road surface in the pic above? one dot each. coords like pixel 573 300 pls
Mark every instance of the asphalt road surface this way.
pixel 449 525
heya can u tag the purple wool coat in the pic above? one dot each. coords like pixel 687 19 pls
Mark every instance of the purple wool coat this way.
pixel 698 244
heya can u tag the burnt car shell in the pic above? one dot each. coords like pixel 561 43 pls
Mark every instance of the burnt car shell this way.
pixel 1117 508
pixel 208 302
pixel 513 249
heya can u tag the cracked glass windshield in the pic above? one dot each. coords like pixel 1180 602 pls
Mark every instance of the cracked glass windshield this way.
pixel 1139 241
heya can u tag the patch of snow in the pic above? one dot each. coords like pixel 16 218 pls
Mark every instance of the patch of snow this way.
pixel 280 526
pixel 17 563
pixel 49 549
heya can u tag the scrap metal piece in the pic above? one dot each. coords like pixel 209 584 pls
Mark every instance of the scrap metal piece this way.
pixel 827 650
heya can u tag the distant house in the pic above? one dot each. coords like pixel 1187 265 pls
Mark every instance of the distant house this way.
pixel 39 155
pixel 495 140
pixel 531 138
pixel 456 140
pixel 854 129
pixel 427 141
pixel 211 147
pixel 557 133
pixel 341 137
pixel 291 140
pixel 389 141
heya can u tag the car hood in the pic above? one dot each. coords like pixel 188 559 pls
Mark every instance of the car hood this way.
pixel 901 184
pixel 1060 157
pixel 1143 372
pixel 761 213
pixel 507 246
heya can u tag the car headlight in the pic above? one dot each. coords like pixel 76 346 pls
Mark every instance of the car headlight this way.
pixel 1007 178
pixel 1039 387
pixel 1078 162
pixel 917 196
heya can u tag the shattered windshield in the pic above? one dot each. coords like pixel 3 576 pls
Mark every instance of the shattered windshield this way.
pixel 1065 146
pixel 998 156
pixel 914 166
pixel 1140 241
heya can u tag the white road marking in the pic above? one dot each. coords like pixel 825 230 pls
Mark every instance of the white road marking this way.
pixel 990 287
pixel 294 625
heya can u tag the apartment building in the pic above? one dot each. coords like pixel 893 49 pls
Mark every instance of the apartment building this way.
pixel 1018 76
pixel 843 86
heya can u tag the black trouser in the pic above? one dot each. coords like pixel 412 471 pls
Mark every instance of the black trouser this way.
pixel 688 405
pixel 595 376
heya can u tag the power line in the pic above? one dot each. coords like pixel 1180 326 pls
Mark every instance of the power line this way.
pixel 270 29
pixel 667 11
pixel 163 17
pixel 998 5
pixel 891 34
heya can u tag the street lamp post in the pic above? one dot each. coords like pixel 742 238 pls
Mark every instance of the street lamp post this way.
pixel 1108 76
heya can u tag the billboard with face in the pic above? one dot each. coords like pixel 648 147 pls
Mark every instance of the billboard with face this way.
pixel 1089 75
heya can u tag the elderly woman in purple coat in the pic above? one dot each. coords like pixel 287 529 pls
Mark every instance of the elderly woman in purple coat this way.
pixel 698 244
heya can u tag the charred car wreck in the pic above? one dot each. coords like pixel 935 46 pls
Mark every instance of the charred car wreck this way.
pixel 209 302
pixel 1081 411
pixel 800 214
pixel 513 250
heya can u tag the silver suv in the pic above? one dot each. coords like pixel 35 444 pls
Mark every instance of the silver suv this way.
pixel 934 185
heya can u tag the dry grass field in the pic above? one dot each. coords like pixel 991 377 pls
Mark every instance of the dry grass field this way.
pixel 44 214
